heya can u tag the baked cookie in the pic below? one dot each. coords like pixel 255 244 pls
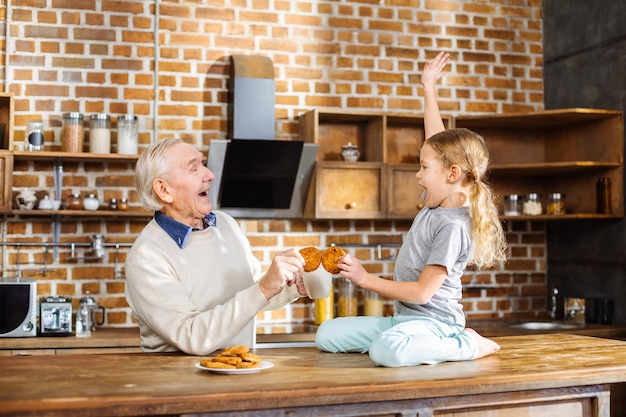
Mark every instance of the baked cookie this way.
pixel 330 259
pixel 312 256
pixel 231 360
pixel 234 350
pixel 209 363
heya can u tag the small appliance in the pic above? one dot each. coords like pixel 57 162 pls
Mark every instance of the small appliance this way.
pixel 55 317
pixel 18 308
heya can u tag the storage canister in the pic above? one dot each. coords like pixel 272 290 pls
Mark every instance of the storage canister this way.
pixel 127 134
pixel 555 204
pixel 72 132
pixel 347 298
pixel 532 205
pixel 100 133
pixel 512 205
pixel 34 135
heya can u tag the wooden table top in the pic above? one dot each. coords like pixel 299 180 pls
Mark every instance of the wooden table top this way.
pixel 140 384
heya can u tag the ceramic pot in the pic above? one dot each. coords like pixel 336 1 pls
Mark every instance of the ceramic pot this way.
pixel 350 152
pixel 26 200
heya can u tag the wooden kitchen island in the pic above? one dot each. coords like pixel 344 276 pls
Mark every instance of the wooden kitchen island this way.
pixel 538 375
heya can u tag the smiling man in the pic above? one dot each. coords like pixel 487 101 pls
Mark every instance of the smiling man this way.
pixel 192 280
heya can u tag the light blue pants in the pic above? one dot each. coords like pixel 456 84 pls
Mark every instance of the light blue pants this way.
pixel 397 341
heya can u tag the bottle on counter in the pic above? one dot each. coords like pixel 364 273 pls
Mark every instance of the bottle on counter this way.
pixel 127 141
pixel 100 133
pixel 72 132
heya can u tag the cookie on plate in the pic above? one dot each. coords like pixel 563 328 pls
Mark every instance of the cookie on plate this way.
pixel 330 259
pixel 312 257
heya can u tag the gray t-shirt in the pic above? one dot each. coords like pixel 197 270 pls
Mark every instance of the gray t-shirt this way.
pixel 439 236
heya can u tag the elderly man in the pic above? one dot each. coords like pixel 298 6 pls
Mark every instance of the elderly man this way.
pixel 191 278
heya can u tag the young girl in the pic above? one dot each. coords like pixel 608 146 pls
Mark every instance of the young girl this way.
pixel 458 226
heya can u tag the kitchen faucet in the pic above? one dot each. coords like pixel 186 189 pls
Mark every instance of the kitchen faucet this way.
pixel 555 292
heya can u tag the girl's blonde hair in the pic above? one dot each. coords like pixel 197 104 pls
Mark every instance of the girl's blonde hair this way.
pixel 152 164
pixel 468 150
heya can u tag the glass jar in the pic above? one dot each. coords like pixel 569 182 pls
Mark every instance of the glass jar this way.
pixel 323 308
pixel 72 132
pixel 373 304
pixel 532 205
pixel 346 298
pixel 100 133
pixel 74 202
pixel 512 205
pixel 113 204
pixel 555 204
pixel 91 202
pixel 127 142
pixel 34 136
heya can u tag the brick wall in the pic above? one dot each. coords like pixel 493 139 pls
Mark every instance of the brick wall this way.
pixel 168 63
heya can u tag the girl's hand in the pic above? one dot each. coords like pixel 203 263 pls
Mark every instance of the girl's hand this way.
pixel 433 70
pixel 351 268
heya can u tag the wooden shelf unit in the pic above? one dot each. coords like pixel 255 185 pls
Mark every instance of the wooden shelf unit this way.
pixel 384 173
pixel 563 151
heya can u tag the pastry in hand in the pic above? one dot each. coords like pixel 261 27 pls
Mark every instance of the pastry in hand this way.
pixel 330 259
pixel 312 257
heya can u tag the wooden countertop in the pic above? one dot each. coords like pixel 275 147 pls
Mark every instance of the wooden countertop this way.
pixel 144 384
pixel 110 337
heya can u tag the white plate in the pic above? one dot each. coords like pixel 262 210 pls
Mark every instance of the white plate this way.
pixel 263 365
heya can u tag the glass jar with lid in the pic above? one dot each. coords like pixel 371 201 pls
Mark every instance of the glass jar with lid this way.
pixel 512 205
pixel 532 205
pixel 100 133
pixel 555 204
pixel 72 132
pixel 34 135
pixel 127 143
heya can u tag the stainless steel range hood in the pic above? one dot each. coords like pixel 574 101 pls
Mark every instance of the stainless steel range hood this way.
pixel 256 175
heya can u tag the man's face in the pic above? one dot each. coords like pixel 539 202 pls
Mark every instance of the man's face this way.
pixel 187 184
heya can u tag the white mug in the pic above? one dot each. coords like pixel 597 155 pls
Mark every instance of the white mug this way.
pixel 318 283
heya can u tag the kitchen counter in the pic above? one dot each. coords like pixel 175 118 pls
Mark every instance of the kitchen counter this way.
pixel 553 374
pixel 126 340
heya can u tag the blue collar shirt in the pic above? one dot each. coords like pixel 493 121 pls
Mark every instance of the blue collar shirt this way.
pixel 180 232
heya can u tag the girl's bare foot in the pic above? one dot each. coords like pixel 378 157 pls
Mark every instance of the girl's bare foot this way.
pixel 485 346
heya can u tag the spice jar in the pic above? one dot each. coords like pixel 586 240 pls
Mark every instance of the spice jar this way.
pixel 555 204
pixel 34 136
pixel 74 202
pixel 346 298
pixel 91 202
pixel 100 133
pixel 532 205
pixel 512 205
pixel 72 132
pixel 127 134
pixel 113 204
pixel 603 196
pixel 122 205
